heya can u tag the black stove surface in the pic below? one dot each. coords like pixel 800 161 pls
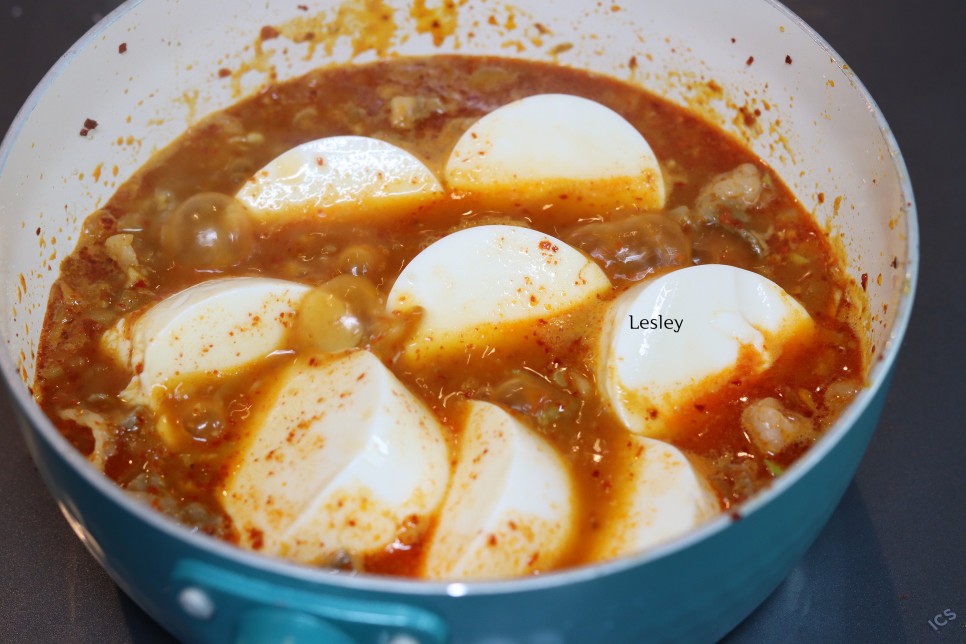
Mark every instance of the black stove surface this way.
pixel 891 564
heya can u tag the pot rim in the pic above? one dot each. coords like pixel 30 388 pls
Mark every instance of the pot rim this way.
pixel 384 584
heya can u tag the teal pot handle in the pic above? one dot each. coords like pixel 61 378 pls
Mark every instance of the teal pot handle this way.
pixel 216 597
pixel 264 625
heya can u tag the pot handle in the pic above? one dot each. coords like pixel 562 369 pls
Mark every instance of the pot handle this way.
pixel 222 603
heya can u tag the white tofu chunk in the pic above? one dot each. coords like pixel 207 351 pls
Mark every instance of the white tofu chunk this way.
pixel 210 328
pixel 543 145
pixel 510 508
pixel 339 178
pixel 343 459
pixel 671 338
pixel 473 283
pixel 662 498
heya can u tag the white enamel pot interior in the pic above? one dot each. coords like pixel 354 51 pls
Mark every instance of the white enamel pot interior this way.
pixel 817 127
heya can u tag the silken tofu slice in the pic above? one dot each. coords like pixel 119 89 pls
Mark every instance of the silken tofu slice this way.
pixel 543 146
pixel 475 283
pixel 663 497
pixel 339 178
pixel 510 508
pixel 210 328
pixel 342 461
pixel 674 337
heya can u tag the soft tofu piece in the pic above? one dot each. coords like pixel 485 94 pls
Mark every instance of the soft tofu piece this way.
pixel 662 497
pixel 342 460
pixel 210 328
pixel 509 510
pixel 712 321
pixel 545 145
pixel 339 178
pixel 473 283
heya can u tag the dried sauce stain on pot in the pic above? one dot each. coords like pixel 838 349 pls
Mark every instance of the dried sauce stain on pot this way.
pixel 217 154
pixel 750 116
pixel 371 25
pixel 440 22
pixel 375 26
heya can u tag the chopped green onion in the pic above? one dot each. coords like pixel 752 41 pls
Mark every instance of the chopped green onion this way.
pixel 774 468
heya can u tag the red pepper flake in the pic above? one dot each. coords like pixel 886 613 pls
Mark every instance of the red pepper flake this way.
pixel 257 538
pixel 632 63
pixel 302 7
pixel 747 115
pixel 89 124
pixel 788 59
pixel 895 260
pixel 750 60
pixel 821 197
pixel 224 72
pixel 38 231
pixel 865 280
pixel 268 32
pixel 122 48
pixel 735 515
pixel 732 41
pixel 492 540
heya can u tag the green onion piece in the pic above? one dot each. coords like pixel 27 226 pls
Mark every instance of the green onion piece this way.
pixel 774 468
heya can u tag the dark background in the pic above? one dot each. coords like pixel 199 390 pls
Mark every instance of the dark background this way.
pixel 894 553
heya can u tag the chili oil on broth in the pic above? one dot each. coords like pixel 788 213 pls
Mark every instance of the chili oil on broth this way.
pixel 551 362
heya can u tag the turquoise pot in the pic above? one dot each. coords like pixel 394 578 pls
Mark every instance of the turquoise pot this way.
pixel 695 589
pixel 203 591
